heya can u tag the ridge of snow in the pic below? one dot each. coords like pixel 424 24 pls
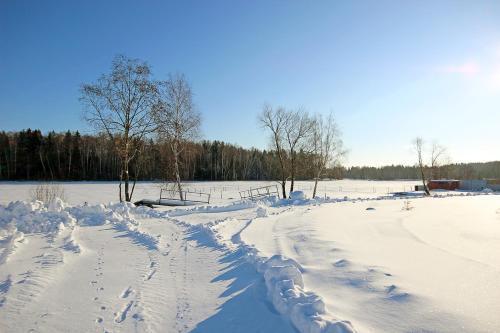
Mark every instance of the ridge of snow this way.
pixel 283 279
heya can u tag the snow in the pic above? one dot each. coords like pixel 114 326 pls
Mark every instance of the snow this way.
pixel 297 195
pixel 435 267
pixel 77 193
pixel 346 261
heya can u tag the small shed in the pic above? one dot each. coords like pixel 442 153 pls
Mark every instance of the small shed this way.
pixel 473 184
pixel 493 184
pixel 443 184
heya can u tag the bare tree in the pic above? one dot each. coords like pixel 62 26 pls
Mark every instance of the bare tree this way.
pixel 438 156
pixel 418 145
pixel 178 120
pixel 275 121
pixel 297 127
pixel 119 104
pixel 327 146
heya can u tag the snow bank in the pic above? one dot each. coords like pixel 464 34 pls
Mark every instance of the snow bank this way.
pixel 283 279
pixel 34 217
pixel 285 287
pixel 91 215
pixel 297 195
pixel 121 216
pixel 37 217
pixel 239 205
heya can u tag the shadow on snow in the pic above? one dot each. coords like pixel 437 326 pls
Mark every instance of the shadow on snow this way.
pixel 246 308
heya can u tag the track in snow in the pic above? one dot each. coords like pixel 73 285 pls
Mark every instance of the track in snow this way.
pixel 100 278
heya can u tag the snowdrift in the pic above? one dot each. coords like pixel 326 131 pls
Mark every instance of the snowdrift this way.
pixel 35 217
pixel 283 279
pixel 306 310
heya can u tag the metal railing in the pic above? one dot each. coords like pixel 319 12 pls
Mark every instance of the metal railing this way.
pixel 185 196
pixel 260 192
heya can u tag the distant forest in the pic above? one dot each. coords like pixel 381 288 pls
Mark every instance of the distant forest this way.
pixel 31 155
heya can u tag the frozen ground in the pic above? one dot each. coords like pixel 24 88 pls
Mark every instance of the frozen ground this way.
pixel 221 192
pixel 329 265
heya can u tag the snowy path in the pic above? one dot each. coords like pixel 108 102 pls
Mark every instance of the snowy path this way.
pixel 338 266
pixel 104 279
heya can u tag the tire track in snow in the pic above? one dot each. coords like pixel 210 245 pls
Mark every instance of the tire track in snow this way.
pixel 29 285
pixel 158 288
pixel 148 299
pixel 8 246
pixel 183 306
pixel 44 260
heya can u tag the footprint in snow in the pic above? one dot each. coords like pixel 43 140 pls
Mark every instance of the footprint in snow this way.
pixel 138 317
pixel 122 315
pixel 126 292
pixel 395 294
pixel 150 275
pixel 341 263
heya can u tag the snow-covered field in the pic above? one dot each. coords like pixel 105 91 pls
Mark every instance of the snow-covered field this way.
pixel 221 192
pixel 358 260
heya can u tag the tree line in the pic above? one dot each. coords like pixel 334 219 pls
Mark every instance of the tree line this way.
pixel 32 155
pixel 479 170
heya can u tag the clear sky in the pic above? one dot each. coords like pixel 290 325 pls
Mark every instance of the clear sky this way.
pixel 390 70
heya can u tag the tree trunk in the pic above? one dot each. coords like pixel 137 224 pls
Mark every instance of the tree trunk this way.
pixel 50 168
pixel 292 181
pixel 177 174
pixel 43 164
pixel 426 190
pixel 136 175
pixel 68 176
pixel 315 186
pixel 120 187
pixel 133 187
pixel 126 181
pixel 283 187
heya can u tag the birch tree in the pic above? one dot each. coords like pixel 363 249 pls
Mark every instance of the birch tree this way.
pixel 178 120
pixel 297 128
pixel 120 104
pixel 437 156
pixel 275 121
pixel 418 145
pixel 326 145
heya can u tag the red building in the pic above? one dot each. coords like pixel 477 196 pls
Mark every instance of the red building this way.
pixel 443 184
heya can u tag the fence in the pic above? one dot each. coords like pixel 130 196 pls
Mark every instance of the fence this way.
pixel 362 190
pixel 231 191
pixel 260 192
pixel 185 196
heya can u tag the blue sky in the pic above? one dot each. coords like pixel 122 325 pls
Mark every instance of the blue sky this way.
pixel 389 70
